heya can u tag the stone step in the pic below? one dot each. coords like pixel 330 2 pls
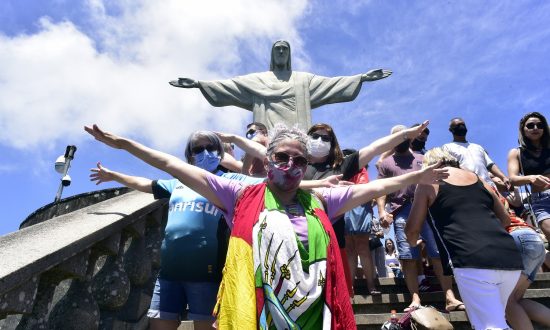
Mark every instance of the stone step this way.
pixel 397 285
pixel 363 304
pixel 459 320
pixel 372 311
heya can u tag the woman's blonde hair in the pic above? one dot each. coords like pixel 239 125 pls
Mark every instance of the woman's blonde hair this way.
pixel 438 154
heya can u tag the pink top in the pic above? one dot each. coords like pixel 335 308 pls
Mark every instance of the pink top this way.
pixel 228 191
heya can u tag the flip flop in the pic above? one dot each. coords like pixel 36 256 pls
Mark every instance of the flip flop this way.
pixel 456 308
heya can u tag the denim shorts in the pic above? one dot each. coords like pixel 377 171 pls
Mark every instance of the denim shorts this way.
pixel 358 220
pixel 540 203
pixel 171 299
pixel 531 247
pixel 403 248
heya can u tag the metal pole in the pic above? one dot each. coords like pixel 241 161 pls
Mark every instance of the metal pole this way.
pixel 69 155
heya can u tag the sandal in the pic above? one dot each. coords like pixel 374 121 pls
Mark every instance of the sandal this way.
pixel 456 308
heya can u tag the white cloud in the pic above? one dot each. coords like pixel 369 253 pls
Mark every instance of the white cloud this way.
pixel 55 81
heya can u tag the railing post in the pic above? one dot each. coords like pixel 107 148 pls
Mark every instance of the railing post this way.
pixel 38 318
pixel 78 308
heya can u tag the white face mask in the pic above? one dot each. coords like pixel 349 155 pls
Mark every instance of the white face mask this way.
pixel 318 148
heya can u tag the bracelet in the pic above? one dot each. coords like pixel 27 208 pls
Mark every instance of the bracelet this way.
pixel 405 136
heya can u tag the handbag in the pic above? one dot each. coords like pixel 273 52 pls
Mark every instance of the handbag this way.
pixel 405 320
pixel 429 318
pixel 530 214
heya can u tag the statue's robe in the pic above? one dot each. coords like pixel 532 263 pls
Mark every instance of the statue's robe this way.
pixel 274 101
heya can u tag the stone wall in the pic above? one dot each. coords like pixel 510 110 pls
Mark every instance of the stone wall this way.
pixel 93 267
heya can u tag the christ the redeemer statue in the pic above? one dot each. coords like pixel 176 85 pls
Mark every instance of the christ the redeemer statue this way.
pixel 281 95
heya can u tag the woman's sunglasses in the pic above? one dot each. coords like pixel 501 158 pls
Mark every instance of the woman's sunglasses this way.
pixel 282 158
pixel 325 138
pixel 200 149
pixel 534 125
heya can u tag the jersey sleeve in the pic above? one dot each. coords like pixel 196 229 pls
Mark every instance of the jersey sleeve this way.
pixel 163 188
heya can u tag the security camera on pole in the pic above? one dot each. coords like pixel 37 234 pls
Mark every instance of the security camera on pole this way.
pixel 62 165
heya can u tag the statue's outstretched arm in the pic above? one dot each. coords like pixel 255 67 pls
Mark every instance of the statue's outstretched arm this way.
pixel 376 74
pixel 184 83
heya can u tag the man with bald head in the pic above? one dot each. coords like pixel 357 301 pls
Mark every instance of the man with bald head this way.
pixel 471 156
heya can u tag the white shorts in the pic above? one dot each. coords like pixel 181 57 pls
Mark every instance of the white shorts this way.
pixel 485 293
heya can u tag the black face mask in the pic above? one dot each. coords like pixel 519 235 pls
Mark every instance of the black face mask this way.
pixel 418 145
pixel 402 147
pixel 459 130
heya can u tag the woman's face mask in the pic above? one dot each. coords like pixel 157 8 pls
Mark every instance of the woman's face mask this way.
pixel 285 177
pixel 207 160
pixel 318 147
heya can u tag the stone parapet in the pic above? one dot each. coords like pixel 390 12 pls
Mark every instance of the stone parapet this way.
pixel 86 269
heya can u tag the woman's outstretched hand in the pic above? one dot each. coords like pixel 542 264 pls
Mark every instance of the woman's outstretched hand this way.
pixel 109 139
pixel 101 174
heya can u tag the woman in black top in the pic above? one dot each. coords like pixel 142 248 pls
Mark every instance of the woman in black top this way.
pixel 530 165
pixel 470 232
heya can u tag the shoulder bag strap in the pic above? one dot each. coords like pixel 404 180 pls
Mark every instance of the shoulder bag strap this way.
pixel 526 187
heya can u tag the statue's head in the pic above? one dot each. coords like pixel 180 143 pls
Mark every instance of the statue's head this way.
pixel 280 55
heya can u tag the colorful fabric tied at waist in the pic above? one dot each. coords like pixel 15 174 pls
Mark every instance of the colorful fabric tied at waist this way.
pixel 271 281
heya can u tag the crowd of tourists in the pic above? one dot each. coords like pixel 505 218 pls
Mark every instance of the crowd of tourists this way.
pixel 277 238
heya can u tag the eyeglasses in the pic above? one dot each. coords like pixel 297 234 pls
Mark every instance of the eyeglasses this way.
pixel 282 158
pixel 538 125
pixel 200 149
pixel 325 138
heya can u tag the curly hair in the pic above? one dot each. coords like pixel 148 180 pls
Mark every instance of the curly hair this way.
pixel 280 133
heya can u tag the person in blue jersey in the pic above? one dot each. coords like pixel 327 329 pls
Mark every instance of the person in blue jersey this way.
pixel 190 256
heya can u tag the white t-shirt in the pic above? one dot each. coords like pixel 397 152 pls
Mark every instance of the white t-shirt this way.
pixel 471 157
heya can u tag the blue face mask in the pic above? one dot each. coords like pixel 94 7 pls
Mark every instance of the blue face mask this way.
pixel 207 160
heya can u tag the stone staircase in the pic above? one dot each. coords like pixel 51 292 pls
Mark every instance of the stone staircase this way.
pixel 371 312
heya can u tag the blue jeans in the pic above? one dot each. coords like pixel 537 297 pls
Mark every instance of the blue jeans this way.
pixel 531 247
pixel 403 247
pixel 540 203
pixel 171 298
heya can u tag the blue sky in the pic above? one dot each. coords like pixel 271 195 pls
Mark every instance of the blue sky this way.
pixel 64 64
